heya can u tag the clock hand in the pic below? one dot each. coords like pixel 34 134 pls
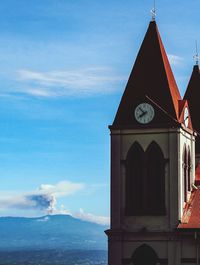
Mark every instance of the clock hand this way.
pixel 141 110
pixel 186 118
pixel 144 113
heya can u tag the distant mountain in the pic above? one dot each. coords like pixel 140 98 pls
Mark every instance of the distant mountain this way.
pixel 50 232
pixel 54 257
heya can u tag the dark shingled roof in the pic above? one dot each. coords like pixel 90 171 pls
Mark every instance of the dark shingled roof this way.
pixel 151 76
pixel 192 95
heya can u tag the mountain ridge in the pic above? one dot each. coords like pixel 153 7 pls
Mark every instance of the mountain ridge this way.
pixel 51 232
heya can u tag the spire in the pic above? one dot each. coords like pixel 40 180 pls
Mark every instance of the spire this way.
pixel 192 95
pixel 196 56
pixel 151 78
pixel 153 11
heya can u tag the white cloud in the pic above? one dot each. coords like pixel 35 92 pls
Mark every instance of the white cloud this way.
pixel 80 82
pixel 61 210
pixel 175 60
pixel 102 220
pixel 15 201
pixel 42 199
pixel 44 219
pixel 62 188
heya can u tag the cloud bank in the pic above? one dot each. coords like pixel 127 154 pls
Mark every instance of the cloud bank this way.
pixel 79 82
pixel 175 59
pixel 102 220
pixel 44 200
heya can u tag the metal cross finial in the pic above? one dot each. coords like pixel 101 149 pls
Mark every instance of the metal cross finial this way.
pixel 153 11
pixel 196 56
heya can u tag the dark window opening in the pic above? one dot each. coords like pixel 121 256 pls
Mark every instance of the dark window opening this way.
pixel 189 171
pixel 144 255
pixel 145 181
pixel 186 171
pixel 154 180
pixel 134 180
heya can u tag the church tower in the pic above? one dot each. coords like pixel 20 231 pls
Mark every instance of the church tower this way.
pixel 192 96
pixel 152 153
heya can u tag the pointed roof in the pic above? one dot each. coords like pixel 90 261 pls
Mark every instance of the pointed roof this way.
pixel 191 214
pixel 151 78
pixel 182 105
pixel 197 175
pixel 192 95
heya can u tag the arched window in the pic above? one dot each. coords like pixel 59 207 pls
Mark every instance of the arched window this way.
pixel 155 180
pixel 145 181
pixel 144 255
pixel 185 172
pixel 134 179
pixel 189 170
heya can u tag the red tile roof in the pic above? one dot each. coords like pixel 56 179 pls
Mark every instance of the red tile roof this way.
pixel 191 215
pixel 172 83
pixel 197 175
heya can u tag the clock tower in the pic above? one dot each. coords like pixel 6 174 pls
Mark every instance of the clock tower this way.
pixel 152 153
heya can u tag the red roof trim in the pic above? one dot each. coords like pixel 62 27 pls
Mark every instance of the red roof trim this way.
pixel 175 94
pixel 182 105
pixel 197 175
pixel 191 215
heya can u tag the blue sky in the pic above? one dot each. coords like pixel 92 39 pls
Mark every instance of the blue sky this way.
pixel 63 68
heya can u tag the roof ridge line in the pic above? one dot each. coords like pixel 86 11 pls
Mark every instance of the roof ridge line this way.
pixel 170 76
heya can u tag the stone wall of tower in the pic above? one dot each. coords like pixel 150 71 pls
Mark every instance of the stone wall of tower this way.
pixel 171 248
pixel 172 142
pixel 186 140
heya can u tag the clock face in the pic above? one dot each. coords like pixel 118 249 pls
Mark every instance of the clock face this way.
pixel 144 113
pixel 186 117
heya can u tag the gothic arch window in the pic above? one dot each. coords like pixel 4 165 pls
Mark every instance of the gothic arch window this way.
pixel 134 179
pixel 185 172
pixel 144 255
pixel 145 181
pixel 155 180
pixel 189 170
